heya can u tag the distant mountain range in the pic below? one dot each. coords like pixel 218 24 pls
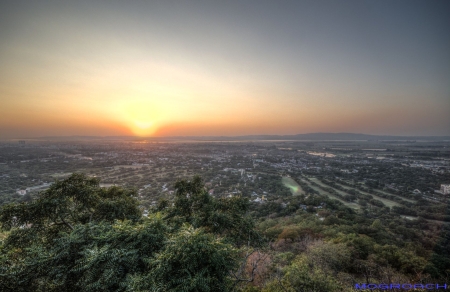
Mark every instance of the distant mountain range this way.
pixel 298 137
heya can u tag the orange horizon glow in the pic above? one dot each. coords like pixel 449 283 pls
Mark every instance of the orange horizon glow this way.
pixel 171 70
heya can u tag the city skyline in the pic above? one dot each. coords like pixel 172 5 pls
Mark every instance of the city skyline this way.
pixel 225 69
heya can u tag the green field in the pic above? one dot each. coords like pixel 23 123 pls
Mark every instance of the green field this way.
pixel 320 183
pixel 61 174
pixel 325 193
pixel 295 188
pixel 386 202
pixel 403 198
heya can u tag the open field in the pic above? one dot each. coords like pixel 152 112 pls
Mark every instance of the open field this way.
pixel 386 202
pixel 403 198
pixel 135 166
pixel 319 182
pixel 416 217
pixel 61 175
pixel 325 193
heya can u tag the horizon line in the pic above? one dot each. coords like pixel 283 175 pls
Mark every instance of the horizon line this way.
pixel 225 136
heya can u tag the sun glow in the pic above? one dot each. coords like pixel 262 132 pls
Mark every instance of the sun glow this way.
pixel 143 128
pixel 141 117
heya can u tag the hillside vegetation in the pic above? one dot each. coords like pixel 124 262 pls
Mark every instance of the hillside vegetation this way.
pixel 78 236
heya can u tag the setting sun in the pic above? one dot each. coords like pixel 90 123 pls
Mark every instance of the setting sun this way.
pixel 139 117
pixel 145 128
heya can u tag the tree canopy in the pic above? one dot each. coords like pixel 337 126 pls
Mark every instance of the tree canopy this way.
pixel 77 236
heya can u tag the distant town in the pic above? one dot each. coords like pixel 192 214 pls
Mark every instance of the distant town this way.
pixel 364 175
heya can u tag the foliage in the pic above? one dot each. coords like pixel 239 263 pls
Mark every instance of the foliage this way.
pixel 76 200
pixel 192 260
pixel 301 276
pixel 77 236
pixel 222 216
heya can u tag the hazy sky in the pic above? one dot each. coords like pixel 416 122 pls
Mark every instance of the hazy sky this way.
pixel 224 67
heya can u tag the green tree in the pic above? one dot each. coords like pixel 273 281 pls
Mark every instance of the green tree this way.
pixel 291 233
pixel 223 216
pixel 77 236
pixel 300 276
pixel 75 200
pixel 192 260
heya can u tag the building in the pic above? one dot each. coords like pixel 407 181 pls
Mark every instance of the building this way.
pixel 445 189
pixel 22 192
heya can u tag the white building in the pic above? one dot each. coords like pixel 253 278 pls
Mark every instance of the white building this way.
pixel 22 192
pixel 445 189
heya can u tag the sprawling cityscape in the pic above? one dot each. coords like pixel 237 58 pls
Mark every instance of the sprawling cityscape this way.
pixel 362 175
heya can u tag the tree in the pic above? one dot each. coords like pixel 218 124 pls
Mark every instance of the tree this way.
pixel 77 236
pixel 223 216
pixel 291 233
pixel 192 260
pixel 75 200
pixel 300 276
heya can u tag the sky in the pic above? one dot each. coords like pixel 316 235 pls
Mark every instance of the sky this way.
pixel 192 68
